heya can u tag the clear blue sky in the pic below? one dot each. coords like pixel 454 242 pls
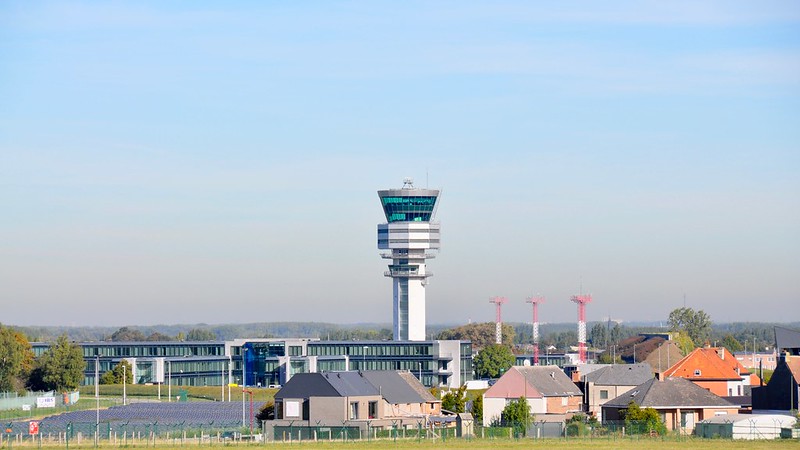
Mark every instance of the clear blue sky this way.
pixel 173 162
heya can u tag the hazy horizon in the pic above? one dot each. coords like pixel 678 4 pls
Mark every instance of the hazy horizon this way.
pixel 197 162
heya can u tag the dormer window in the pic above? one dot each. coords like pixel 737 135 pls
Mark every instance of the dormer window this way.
pixel 697 372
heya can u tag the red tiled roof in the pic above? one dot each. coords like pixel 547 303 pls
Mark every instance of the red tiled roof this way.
pixel 708 362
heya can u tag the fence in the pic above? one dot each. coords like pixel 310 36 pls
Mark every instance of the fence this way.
pixel 344 432
pixel 755 427
pixel 49 399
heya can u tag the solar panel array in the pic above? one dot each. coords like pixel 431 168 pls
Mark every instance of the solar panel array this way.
pixel 167 415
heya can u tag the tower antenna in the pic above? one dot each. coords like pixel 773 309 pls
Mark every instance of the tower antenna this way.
pixel 581 300
pixel 498 325
pixel 535 300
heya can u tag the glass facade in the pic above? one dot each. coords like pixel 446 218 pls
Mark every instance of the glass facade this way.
pixel 151 349
pixel 265 363
pixel 256 354
pixel 408 209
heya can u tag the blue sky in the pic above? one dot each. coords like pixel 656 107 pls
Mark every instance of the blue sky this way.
pixel 173 162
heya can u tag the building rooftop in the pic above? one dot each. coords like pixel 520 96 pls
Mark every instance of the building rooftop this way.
pixel 669 393
pixel 620 375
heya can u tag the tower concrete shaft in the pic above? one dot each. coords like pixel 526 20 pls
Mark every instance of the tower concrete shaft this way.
pixel 498 324
pixel 409 233
pixel 581 300
pixel 535 300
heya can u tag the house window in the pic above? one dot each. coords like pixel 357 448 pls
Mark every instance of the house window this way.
pixel 373 410
pixel 564 401
pixel 353 410
pixel 697 372
pixel 603 394
pixel 292 408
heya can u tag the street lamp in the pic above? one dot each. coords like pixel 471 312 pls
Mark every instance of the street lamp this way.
pixel 169 381
pixel 97 398
pixel 124 383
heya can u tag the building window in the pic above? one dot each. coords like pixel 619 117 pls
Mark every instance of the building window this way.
pixel 353 410
pixel 373 410
pixel 292 408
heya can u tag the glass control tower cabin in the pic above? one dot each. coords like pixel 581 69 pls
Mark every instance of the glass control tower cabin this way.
pixel 409 233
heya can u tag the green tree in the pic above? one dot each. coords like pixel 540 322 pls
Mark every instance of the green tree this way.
pixel 15 356
pixel 267 412
pixel 115 376
pixel 684 342
pixel 731 343
pixel 127 334
pixel 199 334
pixel 455 401
pixel 159 337
pixel 599 335
pixel 578 424
pixel 608 358
pixel 477 408
pixel 480 334
pixel 697 324
pixel 517 414
pixel 61 366
pixel 638 420
pixel 493 361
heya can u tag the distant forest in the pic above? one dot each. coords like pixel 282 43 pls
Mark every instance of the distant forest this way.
pixel 558 335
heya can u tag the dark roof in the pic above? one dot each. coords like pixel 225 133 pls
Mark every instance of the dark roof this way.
pixel 620 375
pixel 787 339
pixel 304 385
pixel 742 400
pixel 548 380
pixel 644 346
pixel 350 384
pixel 397 388
pixel 669 393
pixel 394 386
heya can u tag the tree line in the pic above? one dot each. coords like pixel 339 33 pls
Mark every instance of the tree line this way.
pixel 60 368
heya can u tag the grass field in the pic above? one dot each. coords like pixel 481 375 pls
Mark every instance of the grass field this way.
pixel 194 393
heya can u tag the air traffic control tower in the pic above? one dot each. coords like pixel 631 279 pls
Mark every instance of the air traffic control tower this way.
pixel 409 233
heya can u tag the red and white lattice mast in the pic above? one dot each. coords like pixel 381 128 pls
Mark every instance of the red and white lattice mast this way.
pixel 498 326
pixel 581 300
pixel 535 300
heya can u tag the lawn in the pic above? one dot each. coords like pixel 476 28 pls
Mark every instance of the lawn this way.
pixel 194 393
